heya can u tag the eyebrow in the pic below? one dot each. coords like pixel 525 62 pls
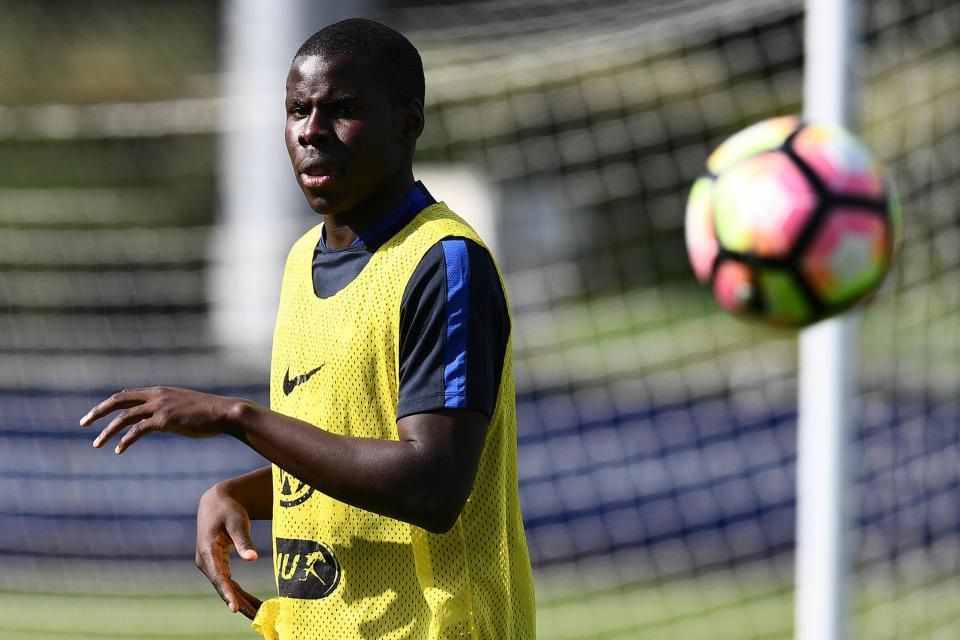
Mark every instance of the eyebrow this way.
pixel 334 100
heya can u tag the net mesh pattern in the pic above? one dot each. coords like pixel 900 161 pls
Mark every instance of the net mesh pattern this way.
pixel 657 435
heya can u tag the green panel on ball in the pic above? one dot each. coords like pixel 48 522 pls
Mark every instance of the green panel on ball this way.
pixel 734 230
pixel 701 192
pixel 784 301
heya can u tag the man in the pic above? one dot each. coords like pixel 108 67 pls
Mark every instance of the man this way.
pixel 393 488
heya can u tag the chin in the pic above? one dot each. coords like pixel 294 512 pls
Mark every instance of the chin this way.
pixel 330 204
pixel 323 204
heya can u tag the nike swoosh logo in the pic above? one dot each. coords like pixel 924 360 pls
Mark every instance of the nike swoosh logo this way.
pixel 290 384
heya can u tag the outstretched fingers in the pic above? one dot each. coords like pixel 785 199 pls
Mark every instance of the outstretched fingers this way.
pixel 236 598
pixel 227 590
pixel 120 400
pixel 238 528
pixel 249 603
pixel 134 415
pixel 214 562
pixel 137 431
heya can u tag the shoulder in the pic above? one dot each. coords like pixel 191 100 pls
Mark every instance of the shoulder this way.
pixel 433 224
pixel 454 330
pixel 454 262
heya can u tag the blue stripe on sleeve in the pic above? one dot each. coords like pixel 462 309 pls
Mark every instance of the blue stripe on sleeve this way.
pixel 458 307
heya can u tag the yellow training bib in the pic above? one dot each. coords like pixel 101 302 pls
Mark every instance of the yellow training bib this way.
pixel 343 573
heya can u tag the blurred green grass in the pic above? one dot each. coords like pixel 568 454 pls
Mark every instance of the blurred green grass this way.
pixel 714 608
pixel 684 609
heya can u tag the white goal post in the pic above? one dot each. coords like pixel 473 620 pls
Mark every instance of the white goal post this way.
pixel 828 367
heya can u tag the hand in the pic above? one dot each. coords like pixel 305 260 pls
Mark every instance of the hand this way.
pixel 223 523
pixel 167 409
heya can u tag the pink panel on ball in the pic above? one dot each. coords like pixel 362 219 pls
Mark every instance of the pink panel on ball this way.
pixel 841 161
pixel 849 251
pixel 798 207
pixel 733 286
pixel 763 205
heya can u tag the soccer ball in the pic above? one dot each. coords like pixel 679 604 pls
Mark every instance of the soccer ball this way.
pixel 792 222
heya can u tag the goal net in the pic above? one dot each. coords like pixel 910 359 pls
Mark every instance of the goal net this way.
pixel 657 436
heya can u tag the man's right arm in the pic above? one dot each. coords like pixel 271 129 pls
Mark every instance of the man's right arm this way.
pixel 223 521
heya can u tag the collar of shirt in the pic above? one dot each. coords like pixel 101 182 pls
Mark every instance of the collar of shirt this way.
pixel 416 200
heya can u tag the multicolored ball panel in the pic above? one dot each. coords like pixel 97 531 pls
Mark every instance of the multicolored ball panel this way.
pixel 701 240
pixel 848 257
pixel 762 205
pixel 784 303
pixel 763 136
pixel 733 287
pixel 841 162
pixel 771 294
pixel 795 233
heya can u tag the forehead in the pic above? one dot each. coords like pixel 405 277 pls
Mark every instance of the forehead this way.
pixel 329 75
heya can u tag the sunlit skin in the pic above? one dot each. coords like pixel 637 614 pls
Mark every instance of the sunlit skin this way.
pixel 351 149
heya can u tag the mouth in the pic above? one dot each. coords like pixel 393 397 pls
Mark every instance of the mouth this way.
pixel 312 181
pixel 315 174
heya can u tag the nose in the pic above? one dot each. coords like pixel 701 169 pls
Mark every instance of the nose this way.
pixel 315 129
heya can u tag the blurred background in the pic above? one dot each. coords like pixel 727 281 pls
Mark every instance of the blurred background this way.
pixel 146 204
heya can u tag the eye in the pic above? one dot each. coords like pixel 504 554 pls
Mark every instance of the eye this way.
pixel 344 110
pixel 298 110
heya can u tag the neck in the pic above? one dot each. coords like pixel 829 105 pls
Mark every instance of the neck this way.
pixel 341 230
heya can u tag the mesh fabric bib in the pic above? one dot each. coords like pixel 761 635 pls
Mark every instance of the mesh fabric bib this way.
pixel 348 574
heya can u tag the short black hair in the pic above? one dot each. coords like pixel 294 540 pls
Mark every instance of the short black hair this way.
pixel 397 62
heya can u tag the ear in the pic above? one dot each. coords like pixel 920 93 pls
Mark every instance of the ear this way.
pixel 412 121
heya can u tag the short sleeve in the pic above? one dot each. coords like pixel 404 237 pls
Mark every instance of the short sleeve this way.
pixel 454 329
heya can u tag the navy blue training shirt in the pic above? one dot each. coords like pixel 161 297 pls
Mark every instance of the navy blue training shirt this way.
pixel 429 306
